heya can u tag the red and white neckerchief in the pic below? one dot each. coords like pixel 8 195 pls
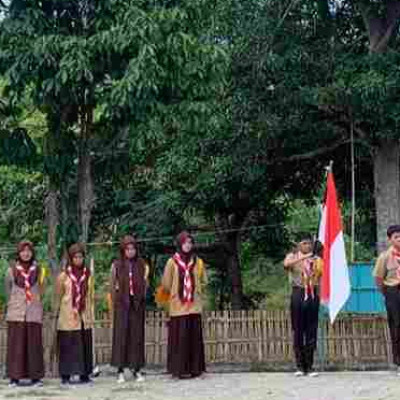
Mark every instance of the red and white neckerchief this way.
pixel 187 281
pixel 396 256
pixel 78 287
pixel 26 275
pixel 308 272
pixel 131 291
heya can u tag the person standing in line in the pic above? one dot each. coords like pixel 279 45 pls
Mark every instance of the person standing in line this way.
pixel 129 281
pixel 75 320
pixel 184 279
pixel 387 277
pixel 304 268
pixel 24 289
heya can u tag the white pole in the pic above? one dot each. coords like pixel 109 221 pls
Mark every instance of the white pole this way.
pixel 353 189
pixel 96 370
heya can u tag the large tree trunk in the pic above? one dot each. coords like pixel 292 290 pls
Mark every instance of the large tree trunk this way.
pixel 387 188
pixel 51 201
pixel 382 28
pixel 229 234
pixel 386 154
pixel 234 269
pixel 52 221
pixel 85 181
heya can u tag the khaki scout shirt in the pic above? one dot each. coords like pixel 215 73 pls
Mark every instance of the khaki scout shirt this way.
pixel 295 272
pixel 386 268
pixel 170 282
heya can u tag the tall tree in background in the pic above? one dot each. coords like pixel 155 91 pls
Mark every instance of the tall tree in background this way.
pixel 365 91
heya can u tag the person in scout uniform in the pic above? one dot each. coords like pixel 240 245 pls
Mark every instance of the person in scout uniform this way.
pixel 24 289
pixel 304 268
pixel 129 281
pixel 387 277
pixel 184 279
pixel 75 319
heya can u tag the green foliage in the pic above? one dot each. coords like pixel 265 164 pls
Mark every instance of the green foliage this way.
pixel 21 197
pixel 201 109
pixel 265 282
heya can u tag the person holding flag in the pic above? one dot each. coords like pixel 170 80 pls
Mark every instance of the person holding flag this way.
pixel 184 280
pixel 304 267
pixel 387 278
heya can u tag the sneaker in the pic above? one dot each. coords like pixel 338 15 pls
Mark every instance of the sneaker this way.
pixel 65 384
pixel 299 373
pixel 37 383
pixel 13 383
pixel 313 374
pixel 96 371
pixel 121 378
pixel 139 377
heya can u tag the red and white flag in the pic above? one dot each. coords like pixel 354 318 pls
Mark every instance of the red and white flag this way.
pixel 335 282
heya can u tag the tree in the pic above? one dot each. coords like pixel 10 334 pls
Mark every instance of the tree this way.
pixel 365 95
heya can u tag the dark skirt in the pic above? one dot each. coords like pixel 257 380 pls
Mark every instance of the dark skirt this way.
pixel 185 346
pixel 75 352
pixel 128 343
pixel 25 350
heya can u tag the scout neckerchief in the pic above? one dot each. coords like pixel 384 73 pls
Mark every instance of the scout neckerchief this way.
pixel 307 278
pixel 131 291
pixel 396 258
pixel 78 288
pixel 27 275
pixel 187 280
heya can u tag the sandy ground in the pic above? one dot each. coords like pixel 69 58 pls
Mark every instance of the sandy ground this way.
pixel 382 385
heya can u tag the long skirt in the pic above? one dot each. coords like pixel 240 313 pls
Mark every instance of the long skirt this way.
pixel 75 352
pixel 25 350
pixel 186 346
pixel 128 343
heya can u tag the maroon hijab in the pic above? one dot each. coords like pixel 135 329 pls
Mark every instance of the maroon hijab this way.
pixel 185 257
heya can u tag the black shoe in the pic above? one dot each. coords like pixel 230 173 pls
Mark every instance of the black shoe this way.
pixel 13 383
pixel 85 380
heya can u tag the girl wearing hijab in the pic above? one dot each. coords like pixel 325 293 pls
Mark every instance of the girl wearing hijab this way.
pixel 24 288
pixel 185 280
pixel 129 278
pixel 75 322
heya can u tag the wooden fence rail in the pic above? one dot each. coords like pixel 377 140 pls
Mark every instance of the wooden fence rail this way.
pixel 260 337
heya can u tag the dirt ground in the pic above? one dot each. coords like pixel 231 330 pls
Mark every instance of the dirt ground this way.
pixel 383 385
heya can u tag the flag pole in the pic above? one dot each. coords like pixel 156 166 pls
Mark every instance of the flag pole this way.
pixel 329 167
pixel 323 311
pixel 96 370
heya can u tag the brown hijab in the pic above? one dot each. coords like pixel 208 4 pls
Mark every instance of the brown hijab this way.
pixel 26 266
pixel 123 267
pixel 79 277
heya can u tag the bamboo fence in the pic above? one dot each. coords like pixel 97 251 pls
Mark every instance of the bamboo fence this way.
pixel 256 337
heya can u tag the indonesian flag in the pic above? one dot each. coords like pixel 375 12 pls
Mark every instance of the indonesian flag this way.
pixel 335 282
